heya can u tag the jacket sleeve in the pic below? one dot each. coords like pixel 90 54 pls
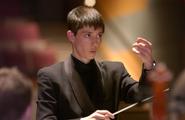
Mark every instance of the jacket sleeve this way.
pixel 130 89
pixel 47 98
pixel 48 101
pixel 145 89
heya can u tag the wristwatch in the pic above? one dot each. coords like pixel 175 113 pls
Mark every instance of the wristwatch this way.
pixel 153 66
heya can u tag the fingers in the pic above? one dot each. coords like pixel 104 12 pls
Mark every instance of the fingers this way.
pixel 144 41
pixel 101 115
pixel 141 45
pixel 98 116
pixel 143 48
pixel 106 113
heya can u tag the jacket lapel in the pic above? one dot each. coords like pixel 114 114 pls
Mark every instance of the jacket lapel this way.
pixel 98 90
pixel 77 87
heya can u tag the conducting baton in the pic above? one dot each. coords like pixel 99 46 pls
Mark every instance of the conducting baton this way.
pixel 132 105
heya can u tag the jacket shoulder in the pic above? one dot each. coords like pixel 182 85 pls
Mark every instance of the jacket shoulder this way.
pixel 51 69
pixel 112 64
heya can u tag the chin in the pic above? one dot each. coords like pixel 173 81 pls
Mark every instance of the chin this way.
pixel 92 57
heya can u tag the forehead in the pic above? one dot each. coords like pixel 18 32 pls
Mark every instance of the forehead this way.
pixel 90 29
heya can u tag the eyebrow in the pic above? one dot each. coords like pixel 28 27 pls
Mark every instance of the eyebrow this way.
pixel 86 32
pixel 90 32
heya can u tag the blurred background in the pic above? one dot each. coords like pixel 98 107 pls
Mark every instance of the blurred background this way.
pixel 32 34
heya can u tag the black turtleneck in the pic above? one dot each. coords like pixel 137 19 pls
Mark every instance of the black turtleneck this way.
pixel 87 73
pixel 91 79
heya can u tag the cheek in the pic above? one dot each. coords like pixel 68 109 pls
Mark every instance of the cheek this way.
pixel 83 44
pixel 82 48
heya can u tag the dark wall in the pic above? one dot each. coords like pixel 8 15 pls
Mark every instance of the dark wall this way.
pixel 171 28
pixel 40 10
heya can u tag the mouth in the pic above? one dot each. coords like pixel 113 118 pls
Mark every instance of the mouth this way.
pixel 93 51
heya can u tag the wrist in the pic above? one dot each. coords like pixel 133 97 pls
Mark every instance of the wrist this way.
pixel 152 66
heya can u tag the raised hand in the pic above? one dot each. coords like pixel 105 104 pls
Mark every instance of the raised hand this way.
pixel 143 48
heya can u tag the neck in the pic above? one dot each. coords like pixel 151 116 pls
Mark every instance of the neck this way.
pixel 83 60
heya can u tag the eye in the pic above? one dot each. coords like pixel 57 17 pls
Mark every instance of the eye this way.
pixel 87 35
pixel 99 36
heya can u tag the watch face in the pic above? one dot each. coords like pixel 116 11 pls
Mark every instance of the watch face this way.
pixel 153 64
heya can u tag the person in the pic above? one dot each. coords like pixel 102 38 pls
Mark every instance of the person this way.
pixel 160 79
pixel 15 95
pixel 177 99
pixel 81 87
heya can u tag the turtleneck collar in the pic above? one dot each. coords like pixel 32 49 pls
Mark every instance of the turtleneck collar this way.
pixel 79 65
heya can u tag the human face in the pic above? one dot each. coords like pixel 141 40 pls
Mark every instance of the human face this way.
pixel 86 42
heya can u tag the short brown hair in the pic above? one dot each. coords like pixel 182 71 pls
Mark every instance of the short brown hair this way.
pixel 84 16
pixel 15 94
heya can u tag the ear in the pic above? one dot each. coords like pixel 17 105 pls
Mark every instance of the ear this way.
pixel 70 36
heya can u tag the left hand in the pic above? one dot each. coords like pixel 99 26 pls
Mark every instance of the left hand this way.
pixel 143 48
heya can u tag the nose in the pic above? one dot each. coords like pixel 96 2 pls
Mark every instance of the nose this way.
pixel 96 41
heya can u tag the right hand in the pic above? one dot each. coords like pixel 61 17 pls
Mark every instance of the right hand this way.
pixel 99 115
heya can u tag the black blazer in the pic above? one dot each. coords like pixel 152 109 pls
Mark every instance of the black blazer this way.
pixel 61 94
